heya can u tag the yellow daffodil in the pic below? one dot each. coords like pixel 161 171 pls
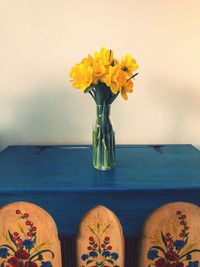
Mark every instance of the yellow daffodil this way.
pixel 104 68
pixel 105 56
pixel 88 60
pixel 81 75
pixel 98 71
pixel 129 64
pixel 121 77
pixel 126 88
pixel 116 78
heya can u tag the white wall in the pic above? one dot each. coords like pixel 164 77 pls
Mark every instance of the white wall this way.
pixel 40 40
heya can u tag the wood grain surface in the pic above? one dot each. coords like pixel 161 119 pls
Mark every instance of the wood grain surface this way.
pixel 100 239
pixel 171 237
pixel 28 237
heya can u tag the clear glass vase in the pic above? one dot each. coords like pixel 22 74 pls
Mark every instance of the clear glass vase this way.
pixel 103 139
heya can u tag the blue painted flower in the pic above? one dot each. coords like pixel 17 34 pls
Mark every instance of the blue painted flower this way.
pixel 4 253
pixel 106 253
pixel 84 257
pixel 93 254
pixel 29 244
pixel 193 264
pixel 152 254
pixel 114 255
pixel 46 264
pixel 179 244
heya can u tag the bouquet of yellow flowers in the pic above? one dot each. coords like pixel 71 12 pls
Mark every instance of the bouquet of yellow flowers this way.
pixel 104 78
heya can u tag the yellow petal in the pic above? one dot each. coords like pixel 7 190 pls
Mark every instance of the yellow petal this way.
pixel 128 87
pixel 114 87
pixel 81 75
pixel 124 95
pixel 121 77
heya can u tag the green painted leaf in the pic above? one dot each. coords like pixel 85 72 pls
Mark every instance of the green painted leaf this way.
pixel 188 253
pixel 21 228
pixel 186 241
pixel 40 246
pixel 41 252
pixel 110 261
pixel 159 248
pixel 175 229
pixel 186 235
pixel 163 239
pixel 12 239
pixel 89 261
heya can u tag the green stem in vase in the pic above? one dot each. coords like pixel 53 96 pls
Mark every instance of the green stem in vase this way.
pixel 103 139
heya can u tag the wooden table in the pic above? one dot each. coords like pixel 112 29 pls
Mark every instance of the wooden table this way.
pixel 62 180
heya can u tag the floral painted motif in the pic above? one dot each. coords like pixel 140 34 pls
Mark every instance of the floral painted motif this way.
pixel 174 250
pixel 99 252
pixel 20 249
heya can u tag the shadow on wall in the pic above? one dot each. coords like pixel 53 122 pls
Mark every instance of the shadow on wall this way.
pixel 44 116
pixel 181 106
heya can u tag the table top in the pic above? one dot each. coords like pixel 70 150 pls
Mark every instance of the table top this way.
pixel 69 169
pixel 62 180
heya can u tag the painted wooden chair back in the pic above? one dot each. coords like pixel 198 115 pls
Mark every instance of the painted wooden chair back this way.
pixel 100 240
pixel 28 237
pixel 171 237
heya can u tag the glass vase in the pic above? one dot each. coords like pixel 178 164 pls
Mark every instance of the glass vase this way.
pixel 103 139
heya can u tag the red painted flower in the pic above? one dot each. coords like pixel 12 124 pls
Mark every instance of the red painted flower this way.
pixel 13 261
pixel 103 245
pixel 30 264
pixel 89 248
pixel 19 241
pixel 26 215
pixel 171 256
pixel 16 234
pixel 29 234
pixel 95 245
pixel 186 228
pixel 18 211
pixel 183 217
pixel 109 248
pixel 91 239
pixel 22 254
pixel 178 212
pixel 170 245
pixel 161 263
pixel 28 222
pixel 182 222
pixel 181 234
pixel 179 264
pixel 107 238
pixel 175 264
pixel 168 234
pixel 34 228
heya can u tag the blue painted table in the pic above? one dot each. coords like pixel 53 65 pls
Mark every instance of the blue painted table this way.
pixel 61 179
